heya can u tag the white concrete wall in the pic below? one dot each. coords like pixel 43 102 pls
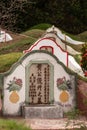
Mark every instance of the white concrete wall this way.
pixel 9 107
pixel 59 72
pixel 5 37
pixel 58 52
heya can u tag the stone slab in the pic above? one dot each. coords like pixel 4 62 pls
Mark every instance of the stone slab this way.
pixel 42 112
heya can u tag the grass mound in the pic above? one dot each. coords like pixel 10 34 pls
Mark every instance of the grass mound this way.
pixel 82 36
pixel 7 60
pixel 17 46
pixel 42 26
pixel 35 33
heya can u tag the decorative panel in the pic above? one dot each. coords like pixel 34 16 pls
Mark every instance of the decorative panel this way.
pixel 39 83
pixel 47 48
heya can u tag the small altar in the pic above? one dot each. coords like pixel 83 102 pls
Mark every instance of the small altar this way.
pixel 42 111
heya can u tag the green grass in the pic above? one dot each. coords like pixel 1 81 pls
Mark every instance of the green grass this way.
pixel 78 58
pixel 7 60
pixel 79 37
pixel 35 33
pixel 31 36
pixel 17 46
pixel 12 125
pixel 42 26
pixel 82 36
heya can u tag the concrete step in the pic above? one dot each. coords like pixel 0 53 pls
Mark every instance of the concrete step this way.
pixel 42 112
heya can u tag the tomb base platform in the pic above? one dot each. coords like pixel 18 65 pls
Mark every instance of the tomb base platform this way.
pixel 42 111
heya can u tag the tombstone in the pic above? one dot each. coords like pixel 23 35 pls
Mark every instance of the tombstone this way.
pixel 38 86
pixel 55 42
pixel 5 37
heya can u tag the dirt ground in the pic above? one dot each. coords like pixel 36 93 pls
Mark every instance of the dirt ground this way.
pixel 16 37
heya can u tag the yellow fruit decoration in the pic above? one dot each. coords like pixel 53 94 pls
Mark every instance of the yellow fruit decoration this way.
pixel 64 96
pixel 14 97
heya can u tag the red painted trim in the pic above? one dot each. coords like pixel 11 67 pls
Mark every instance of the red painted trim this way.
pixel 26 51
pixel 48 47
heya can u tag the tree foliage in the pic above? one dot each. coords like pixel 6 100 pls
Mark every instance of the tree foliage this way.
pixel 69 15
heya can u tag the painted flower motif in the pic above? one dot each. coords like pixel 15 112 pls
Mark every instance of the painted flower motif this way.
pixel 19 82
pixel 63 84
pixel 60 81
pixel 15 84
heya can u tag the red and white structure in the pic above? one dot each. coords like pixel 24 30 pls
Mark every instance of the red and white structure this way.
pixel 56 45
pixel 50 45
pixel 4 37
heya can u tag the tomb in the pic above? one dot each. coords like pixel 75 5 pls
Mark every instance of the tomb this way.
pixel 40 84
pixel 5 37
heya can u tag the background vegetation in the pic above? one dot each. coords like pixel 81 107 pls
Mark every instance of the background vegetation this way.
pixel 19 15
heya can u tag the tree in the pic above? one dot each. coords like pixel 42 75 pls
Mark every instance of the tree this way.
pixel 19 15
pixel 15 15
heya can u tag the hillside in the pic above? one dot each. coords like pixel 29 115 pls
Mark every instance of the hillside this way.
pixel 14 49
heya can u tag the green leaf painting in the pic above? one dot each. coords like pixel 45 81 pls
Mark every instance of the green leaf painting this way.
pixel 14 85
pixel 63 84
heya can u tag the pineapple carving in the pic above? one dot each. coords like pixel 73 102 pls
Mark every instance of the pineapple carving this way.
pixel 14 86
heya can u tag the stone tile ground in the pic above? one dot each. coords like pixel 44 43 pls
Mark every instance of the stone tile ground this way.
pixel 52 124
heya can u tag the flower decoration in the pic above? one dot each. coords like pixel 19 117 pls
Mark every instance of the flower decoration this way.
pixel 63 84
pixel 15 84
